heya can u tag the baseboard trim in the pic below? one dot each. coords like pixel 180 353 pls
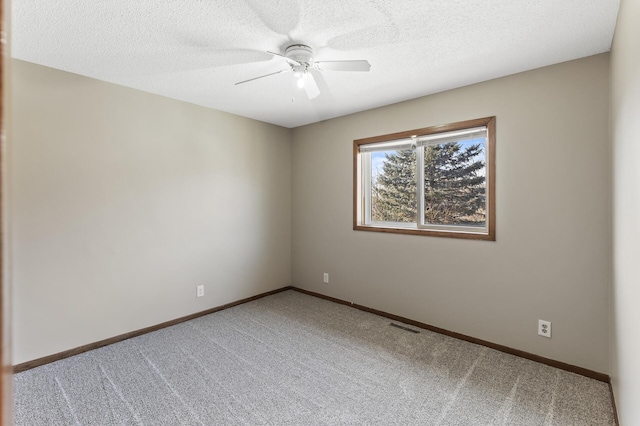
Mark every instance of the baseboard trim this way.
pixel 71 352
pixel 75 351
pixel 537 358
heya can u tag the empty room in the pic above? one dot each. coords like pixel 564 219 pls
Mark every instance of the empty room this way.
pixel 298 212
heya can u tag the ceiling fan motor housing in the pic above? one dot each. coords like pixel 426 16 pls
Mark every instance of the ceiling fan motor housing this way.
pixel 301 54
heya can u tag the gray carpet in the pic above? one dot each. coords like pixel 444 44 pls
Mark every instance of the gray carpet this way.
pixel 293 359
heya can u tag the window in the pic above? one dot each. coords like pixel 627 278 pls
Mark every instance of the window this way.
pixel 437 181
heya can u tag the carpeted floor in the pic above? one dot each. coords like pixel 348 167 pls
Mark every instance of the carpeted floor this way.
pixel 293 359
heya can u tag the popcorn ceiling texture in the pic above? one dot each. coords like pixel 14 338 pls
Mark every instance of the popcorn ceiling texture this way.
pixel 195 50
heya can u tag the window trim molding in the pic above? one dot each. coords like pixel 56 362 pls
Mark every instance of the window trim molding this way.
pixel 464 233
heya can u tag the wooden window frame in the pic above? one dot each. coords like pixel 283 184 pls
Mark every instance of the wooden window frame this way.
pixel 358 199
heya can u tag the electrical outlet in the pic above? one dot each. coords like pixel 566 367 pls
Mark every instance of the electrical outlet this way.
pixel 326 278
pixel 200 291
pixel 544 328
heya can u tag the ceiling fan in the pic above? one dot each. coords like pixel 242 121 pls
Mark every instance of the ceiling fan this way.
pixel 300 59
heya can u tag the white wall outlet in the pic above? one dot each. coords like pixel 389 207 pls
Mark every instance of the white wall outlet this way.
pixel 326 278
pixel 544 328
pixel 200 291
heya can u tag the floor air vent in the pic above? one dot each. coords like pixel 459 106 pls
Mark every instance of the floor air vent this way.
pixel 404 328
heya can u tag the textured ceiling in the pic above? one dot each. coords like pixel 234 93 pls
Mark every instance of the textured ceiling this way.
pixel 195 50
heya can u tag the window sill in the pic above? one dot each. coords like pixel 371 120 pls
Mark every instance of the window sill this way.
pixel 411 229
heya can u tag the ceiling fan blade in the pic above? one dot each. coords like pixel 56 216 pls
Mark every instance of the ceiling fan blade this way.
pixel 291 61
pixel 344 65
pixel 262 76
pixel 276 54
pixel 310 86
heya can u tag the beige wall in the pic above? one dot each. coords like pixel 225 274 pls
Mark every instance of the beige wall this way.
pixel 625 136
pixel 551 259
pixel 122 202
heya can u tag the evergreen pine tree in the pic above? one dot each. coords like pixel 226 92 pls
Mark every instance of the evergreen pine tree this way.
pixel 396 188
pixel 454 190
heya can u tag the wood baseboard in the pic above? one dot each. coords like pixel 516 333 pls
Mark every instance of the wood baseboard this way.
pixel 537 358
pixel 71 352
pixel 75 351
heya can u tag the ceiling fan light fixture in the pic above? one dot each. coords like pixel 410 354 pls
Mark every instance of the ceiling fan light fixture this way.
pixel 300 80
pixel 301 62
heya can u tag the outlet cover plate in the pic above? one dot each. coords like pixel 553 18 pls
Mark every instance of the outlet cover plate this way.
pixel 200 291
pixel 544 328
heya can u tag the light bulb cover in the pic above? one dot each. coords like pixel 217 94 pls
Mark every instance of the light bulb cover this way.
pixel 300 81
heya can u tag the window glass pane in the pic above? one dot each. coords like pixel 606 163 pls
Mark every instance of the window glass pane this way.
pixel 393 186
pixel 455 183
